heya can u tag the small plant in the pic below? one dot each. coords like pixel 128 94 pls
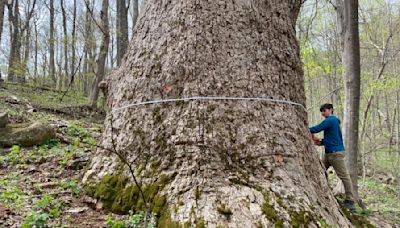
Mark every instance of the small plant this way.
pixel 15 148
pixel 12 196
pixel 45 202
pixel 36 219
pixel 74 130
pixel 71 185
pixel 50 144
pixel 68 156
pixel 134 220
pixel 112 223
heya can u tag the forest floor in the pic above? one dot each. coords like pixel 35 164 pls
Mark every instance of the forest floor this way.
pixel 42 184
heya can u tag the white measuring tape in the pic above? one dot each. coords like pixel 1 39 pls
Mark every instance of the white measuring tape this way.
pixel 284 101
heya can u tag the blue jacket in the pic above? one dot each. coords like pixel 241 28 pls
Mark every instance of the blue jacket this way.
pixel 333 140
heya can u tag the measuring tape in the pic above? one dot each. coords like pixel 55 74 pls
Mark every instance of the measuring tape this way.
pixel 283 101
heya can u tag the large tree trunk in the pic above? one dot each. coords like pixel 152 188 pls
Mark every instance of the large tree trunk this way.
pixel 351 63
pixel 228 163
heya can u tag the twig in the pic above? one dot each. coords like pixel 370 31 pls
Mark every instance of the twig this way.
pixel 127 163
pixel 72 77
pixel 94 19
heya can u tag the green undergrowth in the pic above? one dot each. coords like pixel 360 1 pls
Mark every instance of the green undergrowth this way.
pixel 381 197
pixel 45 97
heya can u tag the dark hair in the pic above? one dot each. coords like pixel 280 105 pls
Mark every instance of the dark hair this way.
pixel 325 106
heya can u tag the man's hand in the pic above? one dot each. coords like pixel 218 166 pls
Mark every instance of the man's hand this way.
pixel 317 141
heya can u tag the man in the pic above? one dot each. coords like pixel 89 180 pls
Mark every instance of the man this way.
pixel 334 150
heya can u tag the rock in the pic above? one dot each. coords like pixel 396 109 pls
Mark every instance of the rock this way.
pixel 77 210
pixel 18 134
pixel 13 100
pixel 48 184
pixel 4 119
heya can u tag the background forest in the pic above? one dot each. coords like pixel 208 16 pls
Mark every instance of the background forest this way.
pixel 53 54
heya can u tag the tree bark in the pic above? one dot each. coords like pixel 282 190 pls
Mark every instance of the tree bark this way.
pixel 227 163
pixel 101 61
pixel 73 41
pixel 65 79
pixel 135 14
pixel 122 30
pixel 2 8
pixel 35 71
pixel 14 62
pixel 51 44
pixel 351 63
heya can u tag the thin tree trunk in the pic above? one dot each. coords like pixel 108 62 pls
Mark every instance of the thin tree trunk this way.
pixel 14 58
pixel 51 42
pixel 2 8
pixel 122 30
pixel 351 63
pixel 135 14
pixel 73 39
pixel 398 139
pixel 101 61
pixel 65 44
pixel 35 71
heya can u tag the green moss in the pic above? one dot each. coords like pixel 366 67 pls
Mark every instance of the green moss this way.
pixel 279 200
pixel 279 224
pixel 165 221
pixel 200 223
pixel 356 220
pixel 270 212
pixel 157 114
pixel 299 218
pixel 179 103
pixel 187 224
pixel 118 195
pixel 197 194
pixel 223 210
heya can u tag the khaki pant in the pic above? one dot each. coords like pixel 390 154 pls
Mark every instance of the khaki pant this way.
pixel 336 160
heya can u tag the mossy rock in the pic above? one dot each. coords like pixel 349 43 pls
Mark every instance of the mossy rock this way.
pixel 25 135
pixel 4 119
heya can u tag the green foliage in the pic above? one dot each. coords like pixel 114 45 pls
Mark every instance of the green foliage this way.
pixel 19 156
pixel 72 185
pixel 12 196
pixel 379 197
pixel 132 221
pixel 51 143
pixel 36 219
pixel 15 148
pixel 75 129
pixel 112 223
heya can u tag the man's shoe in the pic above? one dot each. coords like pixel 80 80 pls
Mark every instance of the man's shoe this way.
pixel 349 205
